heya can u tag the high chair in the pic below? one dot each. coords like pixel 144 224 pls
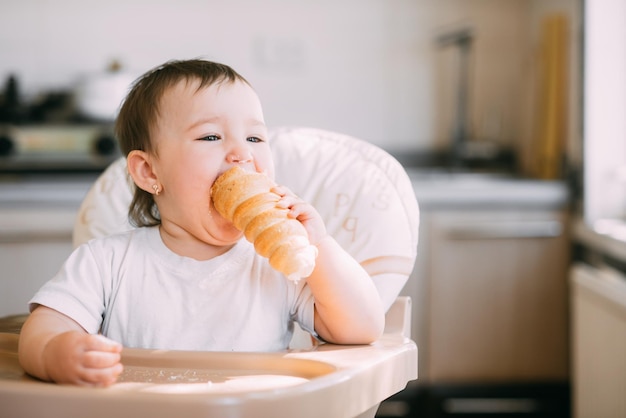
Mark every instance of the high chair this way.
pixel 368 204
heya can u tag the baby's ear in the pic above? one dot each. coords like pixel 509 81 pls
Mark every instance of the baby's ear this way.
pixel 139 166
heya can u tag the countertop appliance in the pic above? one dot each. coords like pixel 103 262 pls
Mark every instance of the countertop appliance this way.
pixel 56 148
pixel 60 131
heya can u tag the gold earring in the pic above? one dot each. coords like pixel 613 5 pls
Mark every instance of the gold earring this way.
pixel 156 189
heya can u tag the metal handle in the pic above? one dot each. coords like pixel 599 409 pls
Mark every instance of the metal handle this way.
pixel 506 230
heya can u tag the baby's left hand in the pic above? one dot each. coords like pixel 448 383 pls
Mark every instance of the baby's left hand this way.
pixel 303 212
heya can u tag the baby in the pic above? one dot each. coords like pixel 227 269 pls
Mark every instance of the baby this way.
pixel 185 278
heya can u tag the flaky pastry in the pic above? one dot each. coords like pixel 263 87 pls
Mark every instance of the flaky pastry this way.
pixel 245 199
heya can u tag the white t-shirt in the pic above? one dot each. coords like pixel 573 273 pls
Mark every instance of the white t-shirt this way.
pixel 134 290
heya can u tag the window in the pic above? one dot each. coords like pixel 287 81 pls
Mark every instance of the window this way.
pixel 604 111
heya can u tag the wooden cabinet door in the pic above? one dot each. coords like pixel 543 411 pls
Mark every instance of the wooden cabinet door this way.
pixel 498 296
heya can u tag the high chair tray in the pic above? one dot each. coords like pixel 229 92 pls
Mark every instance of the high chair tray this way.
pixel 327 380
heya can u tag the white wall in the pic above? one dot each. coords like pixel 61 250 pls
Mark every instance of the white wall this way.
pixel 368 68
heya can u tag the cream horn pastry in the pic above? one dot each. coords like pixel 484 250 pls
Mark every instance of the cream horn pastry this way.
pixel 244 198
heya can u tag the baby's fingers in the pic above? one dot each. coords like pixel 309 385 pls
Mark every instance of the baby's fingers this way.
pixel 280 190
pixel 101 377
pixel 101 362
pixel 100 359
pixel 299 210
pixel 287 198
pixel 102 343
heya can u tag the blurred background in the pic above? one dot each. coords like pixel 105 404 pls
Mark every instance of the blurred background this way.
pixel 507 115
pixel 384 71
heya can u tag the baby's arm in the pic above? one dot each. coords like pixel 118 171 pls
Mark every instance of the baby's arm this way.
pixel 348 308
pixel 54 347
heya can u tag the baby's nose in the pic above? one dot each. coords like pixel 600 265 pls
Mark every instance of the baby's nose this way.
pixel 239 158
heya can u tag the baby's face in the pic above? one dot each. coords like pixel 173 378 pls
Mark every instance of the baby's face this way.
pixel 199 135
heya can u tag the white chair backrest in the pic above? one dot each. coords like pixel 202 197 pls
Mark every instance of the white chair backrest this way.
pixel 363 194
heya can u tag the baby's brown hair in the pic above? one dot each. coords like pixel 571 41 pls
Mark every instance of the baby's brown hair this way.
pixel 140 110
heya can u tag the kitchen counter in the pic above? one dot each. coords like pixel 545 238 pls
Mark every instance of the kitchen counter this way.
pixel 40 208
pixel 468 190
pixel 433 188
pixel 66 190
pixel 606 238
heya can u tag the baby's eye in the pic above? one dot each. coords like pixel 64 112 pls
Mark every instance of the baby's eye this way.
pixel 254 139
pixel 210 138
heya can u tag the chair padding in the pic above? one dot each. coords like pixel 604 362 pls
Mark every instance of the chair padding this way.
pixel 363 194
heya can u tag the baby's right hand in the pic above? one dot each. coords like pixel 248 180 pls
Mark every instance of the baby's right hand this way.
pixel 83 359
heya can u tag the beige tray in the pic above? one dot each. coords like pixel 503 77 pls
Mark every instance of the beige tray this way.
pixel 325 381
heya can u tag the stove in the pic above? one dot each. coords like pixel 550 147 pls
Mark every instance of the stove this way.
pixel 57 148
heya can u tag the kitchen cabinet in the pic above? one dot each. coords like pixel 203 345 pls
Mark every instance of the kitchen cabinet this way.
pixel 498 296
pixel 489 291
pixel 598 320
pixel 36 222
pixel 599 341
pixel 26 267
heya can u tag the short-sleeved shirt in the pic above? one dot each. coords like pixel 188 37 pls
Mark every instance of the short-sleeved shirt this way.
pixel 134 290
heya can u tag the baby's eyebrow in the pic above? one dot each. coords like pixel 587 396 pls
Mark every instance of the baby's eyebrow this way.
pixel 213 119
pixel 256 122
